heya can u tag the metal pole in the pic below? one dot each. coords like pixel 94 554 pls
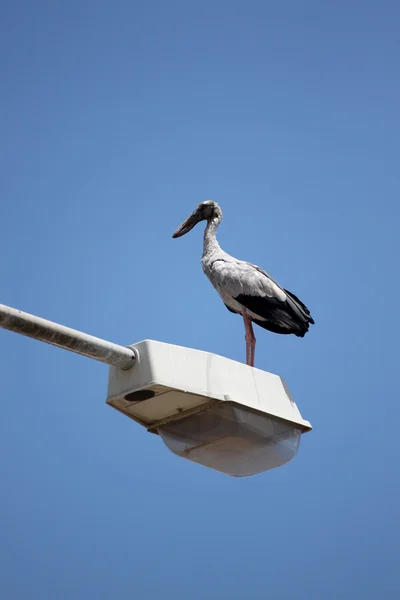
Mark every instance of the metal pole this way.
pixel 64 337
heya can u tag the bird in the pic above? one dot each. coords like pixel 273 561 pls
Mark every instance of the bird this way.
pixel 244 288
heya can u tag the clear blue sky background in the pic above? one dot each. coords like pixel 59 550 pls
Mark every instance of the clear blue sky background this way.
pixel 117 118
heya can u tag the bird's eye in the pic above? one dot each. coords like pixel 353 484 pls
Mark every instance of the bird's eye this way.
pixel 208 211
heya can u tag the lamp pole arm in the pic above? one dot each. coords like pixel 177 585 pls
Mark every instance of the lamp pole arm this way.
pixel 65 337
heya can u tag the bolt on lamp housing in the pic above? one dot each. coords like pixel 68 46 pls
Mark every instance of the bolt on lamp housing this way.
pixel 211 410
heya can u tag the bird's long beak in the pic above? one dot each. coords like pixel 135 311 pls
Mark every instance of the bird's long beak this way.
pixel 190 222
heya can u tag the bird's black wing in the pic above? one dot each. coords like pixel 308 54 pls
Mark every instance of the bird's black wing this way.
pixel 269 304
pixel 280 314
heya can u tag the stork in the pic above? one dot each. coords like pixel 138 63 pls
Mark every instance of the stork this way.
pixel 244 288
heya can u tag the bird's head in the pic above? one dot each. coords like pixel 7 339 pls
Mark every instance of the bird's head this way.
pixel 206 211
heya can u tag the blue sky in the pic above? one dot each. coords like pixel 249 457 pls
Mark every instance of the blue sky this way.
pixel 117 118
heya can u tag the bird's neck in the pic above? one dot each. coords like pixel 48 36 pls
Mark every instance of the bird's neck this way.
pixel 210 244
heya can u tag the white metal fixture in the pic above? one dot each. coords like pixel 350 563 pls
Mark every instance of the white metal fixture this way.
pixel 214 411
pixel 209 409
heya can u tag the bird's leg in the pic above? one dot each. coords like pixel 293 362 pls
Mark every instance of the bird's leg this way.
pixel 247 350
pixel 250 339
pixel 246 337
pixel 252 346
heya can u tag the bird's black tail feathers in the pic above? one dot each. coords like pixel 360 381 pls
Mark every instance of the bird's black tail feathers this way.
pixel 303 307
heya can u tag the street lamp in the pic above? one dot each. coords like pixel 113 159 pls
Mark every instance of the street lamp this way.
pixel 206 408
